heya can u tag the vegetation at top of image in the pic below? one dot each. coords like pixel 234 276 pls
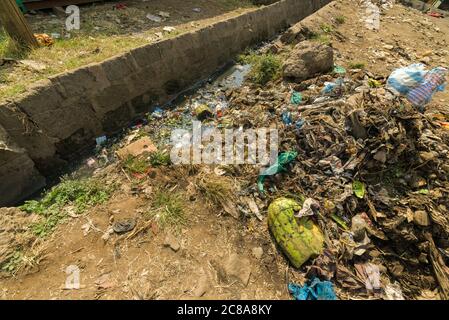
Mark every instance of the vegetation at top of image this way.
pixel 98 39
pixel 264 67
pixel 78 194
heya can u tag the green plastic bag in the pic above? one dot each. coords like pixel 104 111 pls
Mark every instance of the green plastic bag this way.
pixel 300 239
pixel 339 70
pixel 280 165
pixel 296 98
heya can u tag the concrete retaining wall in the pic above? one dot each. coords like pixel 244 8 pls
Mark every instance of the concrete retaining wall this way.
pixel 59 117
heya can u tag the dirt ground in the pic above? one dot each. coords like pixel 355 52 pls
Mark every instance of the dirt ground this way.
pixel 143 266
pixel 219 256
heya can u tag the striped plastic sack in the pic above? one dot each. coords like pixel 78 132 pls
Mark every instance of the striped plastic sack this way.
pixel 402 80
pixel 435 80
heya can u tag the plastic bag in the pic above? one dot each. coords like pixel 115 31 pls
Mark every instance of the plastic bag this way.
pixel 402 80
pixel 416 83
pixel 283 160
pixel 313 290
pixel 435 80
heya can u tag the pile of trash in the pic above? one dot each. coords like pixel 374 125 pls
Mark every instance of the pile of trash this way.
pixel 359 194
pixel 368 183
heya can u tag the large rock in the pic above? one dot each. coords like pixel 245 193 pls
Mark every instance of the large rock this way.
pixel 307 59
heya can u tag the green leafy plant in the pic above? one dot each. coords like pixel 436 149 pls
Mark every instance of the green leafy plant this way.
pixel 12 263
pixel 159 158
pixel 78 194
pixel 264 67
pixel 136 164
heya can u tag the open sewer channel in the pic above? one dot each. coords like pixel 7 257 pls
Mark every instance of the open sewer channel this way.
pixel 158 124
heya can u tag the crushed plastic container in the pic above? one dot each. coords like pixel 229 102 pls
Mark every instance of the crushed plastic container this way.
pixel 300 239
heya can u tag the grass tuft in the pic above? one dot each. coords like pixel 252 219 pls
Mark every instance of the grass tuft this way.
pixel 136 165
pixel 79 194
pixel 357 65
pixel 340 19
pixel 216 190
pixel 160 158
pixel 140 164
pixel 264 67
pixel 326 28
pixel 167 209
pixel 10 48
pixel 323 38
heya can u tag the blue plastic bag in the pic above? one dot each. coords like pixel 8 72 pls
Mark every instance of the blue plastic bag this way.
pixel 402 80
pixel 313 290
pixel 416 83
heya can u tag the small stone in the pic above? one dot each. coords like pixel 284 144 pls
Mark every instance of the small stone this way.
pixel 423 258
pixel 421 218
pixel 426 60
pixel 237 267
pixel 381 156
pixel 163 14
pixel 257 252
pixel 154 18
pixel 137 148
pixel 169 29
pixel 171 242
pixel 105 282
